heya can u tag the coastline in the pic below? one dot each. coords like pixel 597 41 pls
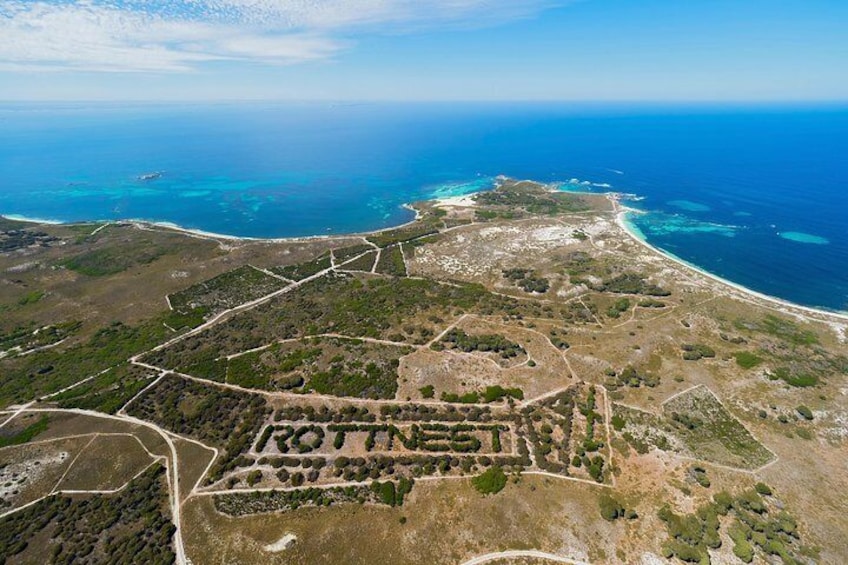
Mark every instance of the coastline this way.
pixel 620 213
pixel 784 306
pixel 195 232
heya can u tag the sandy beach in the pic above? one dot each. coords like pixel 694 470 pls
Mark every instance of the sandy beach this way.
pixel 783 306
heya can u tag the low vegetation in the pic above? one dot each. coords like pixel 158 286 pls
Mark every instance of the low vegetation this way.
pixel 407 233
pixel 23 339
pixel 225 291
pixel 395 309
pixel 224 418
pixel 132 526
pixel 492 393
pixel 631 283
pixel 364 263
pixel 49 370
pixel 781 328
pixel 306 269
pixel 347 253
pixel 391 262
pixel 108 391
pixel 515 200
pixel 25 435
pixel 756 527
pixel 695 423
pixel 631 377
pixel 117 257
pixel 746 359
pixel 612 509
pixel 527 280
pixel 458 339
pixel 618 307
pixel 240 504
pixel 336 366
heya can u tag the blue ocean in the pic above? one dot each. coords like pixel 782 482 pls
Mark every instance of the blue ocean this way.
pixel 756 195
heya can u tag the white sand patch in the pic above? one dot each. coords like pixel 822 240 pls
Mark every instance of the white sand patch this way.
pixel 841 331
pixel 495 231
pixel 599 226
pixel 486 250
pixel 281 544
pixel 23 267
pixel 466 201
pixel 556 234
pixel 572 292
pixel 13 477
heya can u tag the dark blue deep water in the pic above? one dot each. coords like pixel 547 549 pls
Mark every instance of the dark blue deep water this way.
pixel 756 195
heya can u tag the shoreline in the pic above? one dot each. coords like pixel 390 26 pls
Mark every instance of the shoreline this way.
pixel 195 232
pixel 621 213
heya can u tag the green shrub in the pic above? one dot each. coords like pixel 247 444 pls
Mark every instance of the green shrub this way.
pixel 491 481
pixel 497 392
pixel 792 378
pixel 763 489
pixel 805 412
pixel 746 359
pixel 610 508
pixel 693 352
pixel 618 422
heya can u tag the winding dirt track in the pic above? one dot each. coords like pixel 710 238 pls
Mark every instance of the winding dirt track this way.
pixel 515 554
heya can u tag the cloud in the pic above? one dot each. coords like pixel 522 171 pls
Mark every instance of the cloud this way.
pixel 100 37
pixel 182 35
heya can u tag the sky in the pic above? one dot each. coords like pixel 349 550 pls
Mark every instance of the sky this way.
pixel 541 50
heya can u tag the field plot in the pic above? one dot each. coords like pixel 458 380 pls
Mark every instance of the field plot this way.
pixel 364 263
pixel 29 472
pixel 65 424
pixel 108 462
pixel 132 525
pixel 106 392
pixel 225 291
pixel 326 365
pixel 306 269
pixel 222 418
pixel 391 262
pixel 347 253
pixel 533 513
pixel 694 424
pixel 711 432
pixel 393 309
pixel 387 238
pixel 21 340
pixel 194 461
pixel 480 353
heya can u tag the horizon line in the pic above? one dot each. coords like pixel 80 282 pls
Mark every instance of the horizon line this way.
pixel 351 101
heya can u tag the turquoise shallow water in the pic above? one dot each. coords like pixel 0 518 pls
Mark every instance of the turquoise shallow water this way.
pixel 801 237
pixel 754 195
